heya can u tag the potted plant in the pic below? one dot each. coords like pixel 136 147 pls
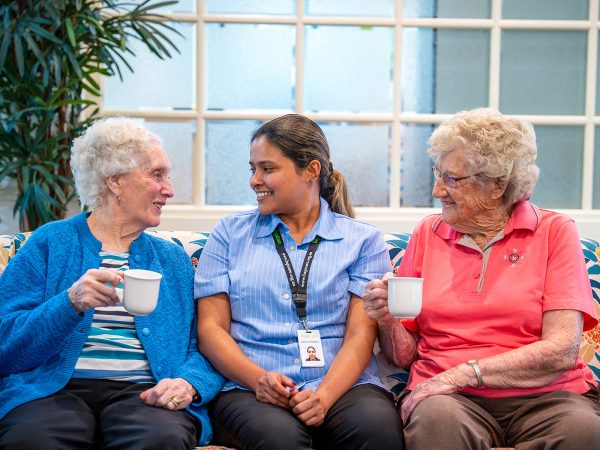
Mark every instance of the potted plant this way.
pixel 51 52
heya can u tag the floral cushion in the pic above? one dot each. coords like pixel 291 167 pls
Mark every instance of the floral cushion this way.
pixel 394 378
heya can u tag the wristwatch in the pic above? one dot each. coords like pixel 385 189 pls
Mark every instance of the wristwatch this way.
pixel 475 365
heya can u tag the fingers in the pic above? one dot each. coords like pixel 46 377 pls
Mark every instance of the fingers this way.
pixel 308 407
pixel 375 301
pixel 274 388
pixel 169 394
pixel 91 290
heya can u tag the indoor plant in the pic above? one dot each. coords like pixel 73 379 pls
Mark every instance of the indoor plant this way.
pixel 52 51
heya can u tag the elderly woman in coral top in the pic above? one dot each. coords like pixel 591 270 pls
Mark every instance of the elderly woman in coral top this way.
pixel 493 355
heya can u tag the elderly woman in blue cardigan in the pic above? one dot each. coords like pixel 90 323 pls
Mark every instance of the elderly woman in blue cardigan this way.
pixel 72 359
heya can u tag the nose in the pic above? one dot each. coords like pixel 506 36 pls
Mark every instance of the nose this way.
pixel 255 180
pixel 168 190
pixel 439 188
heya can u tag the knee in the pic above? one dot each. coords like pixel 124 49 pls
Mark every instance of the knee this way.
pixel 436 410
pixel 580 428
pixel 165 438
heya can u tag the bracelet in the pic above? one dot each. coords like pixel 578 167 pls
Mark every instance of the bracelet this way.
pixel 475 365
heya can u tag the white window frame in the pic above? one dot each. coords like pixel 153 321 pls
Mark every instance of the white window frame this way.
pixel 393 218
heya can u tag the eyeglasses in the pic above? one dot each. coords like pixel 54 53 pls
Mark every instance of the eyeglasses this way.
pixel 449 180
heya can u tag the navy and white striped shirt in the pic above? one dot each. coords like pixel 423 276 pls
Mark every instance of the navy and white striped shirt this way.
pixel 112 350
pixel 240 260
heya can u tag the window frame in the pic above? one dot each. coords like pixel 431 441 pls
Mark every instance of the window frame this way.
pixel 393 218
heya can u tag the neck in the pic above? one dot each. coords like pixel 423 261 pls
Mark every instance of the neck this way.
pixel 301 222
pixel 114 234
pixel 487 226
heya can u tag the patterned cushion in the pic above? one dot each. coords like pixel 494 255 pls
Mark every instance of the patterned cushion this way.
pixel 394 378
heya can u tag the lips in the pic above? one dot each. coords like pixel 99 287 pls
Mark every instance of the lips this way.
pixel 263 194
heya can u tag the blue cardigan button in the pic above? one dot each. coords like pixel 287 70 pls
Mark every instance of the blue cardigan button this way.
pixel 137 258
pixel 146 331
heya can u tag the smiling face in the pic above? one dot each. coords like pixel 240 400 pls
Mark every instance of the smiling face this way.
pixel 468 206
pixel 280 187
pixel 312 353
pixel 144 191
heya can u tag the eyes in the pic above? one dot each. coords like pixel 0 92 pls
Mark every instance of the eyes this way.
pixel 160 175
pixel 266 169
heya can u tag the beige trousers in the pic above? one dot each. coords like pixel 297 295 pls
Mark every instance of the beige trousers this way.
pixel 556 420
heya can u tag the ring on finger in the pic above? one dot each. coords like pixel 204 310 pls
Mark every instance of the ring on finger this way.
pixel 175 401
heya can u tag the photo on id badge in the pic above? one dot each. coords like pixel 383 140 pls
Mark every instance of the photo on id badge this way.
pixel 311 350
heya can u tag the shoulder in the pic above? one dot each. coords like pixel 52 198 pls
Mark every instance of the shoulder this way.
pixel 354 226
pixel 59 231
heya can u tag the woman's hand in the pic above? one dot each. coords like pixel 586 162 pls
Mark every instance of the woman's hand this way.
pixel 443 383
pixel 169 393
pixel 310 407
pixel 375 298
pixel 91 291
pixel 274 388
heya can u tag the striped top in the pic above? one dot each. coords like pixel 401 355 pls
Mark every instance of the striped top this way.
pixel 240 260
pixel 112 350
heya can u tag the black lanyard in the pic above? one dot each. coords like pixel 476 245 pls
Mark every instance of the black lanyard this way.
pixel 298 288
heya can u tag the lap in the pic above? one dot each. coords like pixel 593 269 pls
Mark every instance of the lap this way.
pixel 60 421
pixel 90 410
pixel 363 418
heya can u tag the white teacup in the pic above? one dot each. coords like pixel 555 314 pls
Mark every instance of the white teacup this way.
pixel 140 292
pixel 405 296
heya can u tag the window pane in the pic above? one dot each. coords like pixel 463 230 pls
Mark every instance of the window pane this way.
pixel 416 178
pixel 361 153
pixel 182 6
pixel 447 8
pixel 155 83
pixel 249 66
pixel 596 193
pixel 270 7
pixel 348 68
pixel 373 8
pixel 545 9
pixel 444 70
pixel 560 158
pixel 543 72
pixel 178 141
pixel 227 154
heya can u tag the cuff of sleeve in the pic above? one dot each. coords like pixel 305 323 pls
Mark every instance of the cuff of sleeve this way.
pixel 211 287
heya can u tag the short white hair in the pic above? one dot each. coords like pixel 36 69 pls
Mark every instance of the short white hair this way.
pixel 495 145
pixel 110 146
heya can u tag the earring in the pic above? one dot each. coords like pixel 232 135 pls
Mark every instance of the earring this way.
pixel 118 199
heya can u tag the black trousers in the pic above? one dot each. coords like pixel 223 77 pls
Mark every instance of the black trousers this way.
pixel 363 418
pixel 96 414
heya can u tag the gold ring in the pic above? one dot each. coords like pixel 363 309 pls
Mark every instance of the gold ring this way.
pixel 175 401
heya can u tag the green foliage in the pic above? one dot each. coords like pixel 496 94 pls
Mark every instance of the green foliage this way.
pixel 50 52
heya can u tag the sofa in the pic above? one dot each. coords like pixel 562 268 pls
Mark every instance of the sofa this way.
pixel 393 377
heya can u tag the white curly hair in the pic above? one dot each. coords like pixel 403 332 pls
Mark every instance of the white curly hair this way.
pixel 109 147
pixel 495 145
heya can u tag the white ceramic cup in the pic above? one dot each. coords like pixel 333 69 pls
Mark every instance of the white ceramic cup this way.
pixel 405 296
pixel 140 292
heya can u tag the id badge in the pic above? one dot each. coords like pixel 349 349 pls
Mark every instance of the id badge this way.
pixel 311 350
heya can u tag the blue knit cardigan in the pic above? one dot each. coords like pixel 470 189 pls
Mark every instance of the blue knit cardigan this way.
pixel 41 335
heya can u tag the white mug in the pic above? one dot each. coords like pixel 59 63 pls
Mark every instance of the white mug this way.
pixel 405 296
pixel 140 292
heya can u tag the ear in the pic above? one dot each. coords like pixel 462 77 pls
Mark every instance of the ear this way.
pixel 313 170
pixel 114 184
pixel 500 185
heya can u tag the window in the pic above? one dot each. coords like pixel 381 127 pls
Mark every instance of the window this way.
pixel 378 76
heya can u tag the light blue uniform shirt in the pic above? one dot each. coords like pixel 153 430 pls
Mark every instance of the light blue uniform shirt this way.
pixel 240 260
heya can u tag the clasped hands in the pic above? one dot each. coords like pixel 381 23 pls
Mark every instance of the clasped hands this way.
pixel 309 406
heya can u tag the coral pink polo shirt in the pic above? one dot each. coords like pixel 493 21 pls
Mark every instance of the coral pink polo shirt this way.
pixel 536 266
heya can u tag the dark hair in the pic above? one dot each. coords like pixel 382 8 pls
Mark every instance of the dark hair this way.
pixel 302 140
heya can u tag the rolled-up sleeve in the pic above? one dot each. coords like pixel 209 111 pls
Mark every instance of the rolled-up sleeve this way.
pixel 212 273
